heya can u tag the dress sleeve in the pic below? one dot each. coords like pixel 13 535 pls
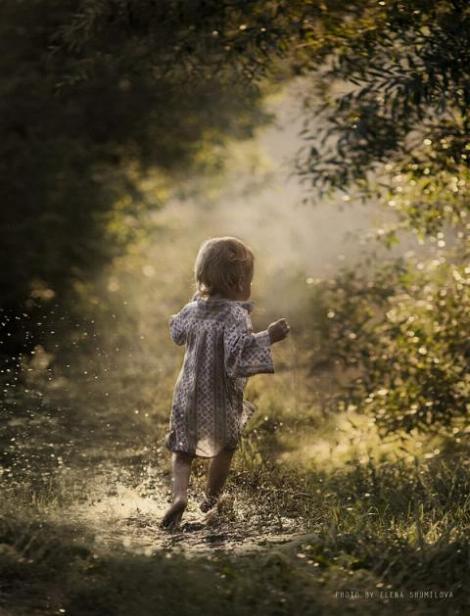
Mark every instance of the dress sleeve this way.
pixel 246 353
pixel 178 326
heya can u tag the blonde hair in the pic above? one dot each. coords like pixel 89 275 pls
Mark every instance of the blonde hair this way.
pixel 221 264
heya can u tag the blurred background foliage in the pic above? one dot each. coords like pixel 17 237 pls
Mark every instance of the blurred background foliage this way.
pixel 112 109
pixel 94 95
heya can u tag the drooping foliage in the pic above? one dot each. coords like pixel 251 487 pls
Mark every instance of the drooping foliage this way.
pixel 393 96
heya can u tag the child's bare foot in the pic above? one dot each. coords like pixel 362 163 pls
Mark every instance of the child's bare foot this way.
pixel 208 503
pixel 173 516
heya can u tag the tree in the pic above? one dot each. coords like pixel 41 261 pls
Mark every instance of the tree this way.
pixel 400 134
pixel 404 116
pixel 94 94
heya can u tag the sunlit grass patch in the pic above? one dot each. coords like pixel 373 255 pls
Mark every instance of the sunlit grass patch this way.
pixel 336 440
pixel 379 526
pixel 371 529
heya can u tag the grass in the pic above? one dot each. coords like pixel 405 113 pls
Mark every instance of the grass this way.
pixel 323 511
pixel 378 528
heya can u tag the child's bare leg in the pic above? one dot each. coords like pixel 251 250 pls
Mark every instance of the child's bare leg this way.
pixel 219 467
pixel 181 468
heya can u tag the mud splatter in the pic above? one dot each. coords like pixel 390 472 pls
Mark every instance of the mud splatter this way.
pixel 122 513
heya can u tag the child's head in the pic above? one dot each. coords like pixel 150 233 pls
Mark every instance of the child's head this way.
pixel 225 266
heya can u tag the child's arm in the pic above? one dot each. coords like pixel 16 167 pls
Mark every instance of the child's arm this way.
pixel 246 353
pixel 178 327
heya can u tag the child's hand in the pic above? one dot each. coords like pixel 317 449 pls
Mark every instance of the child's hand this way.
pixel 278 330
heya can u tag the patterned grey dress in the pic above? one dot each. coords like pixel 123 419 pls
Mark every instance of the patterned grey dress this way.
pixel 208 410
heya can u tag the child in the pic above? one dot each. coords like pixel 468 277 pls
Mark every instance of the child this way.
pixel 208 412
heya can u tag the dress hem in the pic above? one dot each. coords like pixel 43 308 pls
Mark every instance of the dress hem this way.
pixel 198 455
